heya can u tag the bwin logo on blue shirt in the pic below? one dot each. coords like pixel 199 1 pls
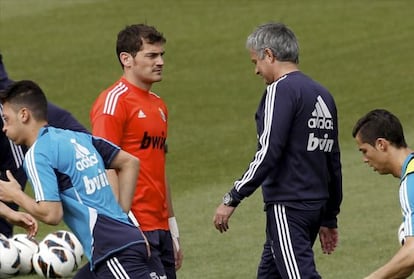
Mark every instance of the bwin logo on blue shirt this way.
pixel 84 158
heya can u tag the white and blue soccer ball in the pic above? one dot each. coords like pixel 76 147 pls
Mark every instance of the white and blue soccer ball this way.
pixel 9 258
pixel 53 261
pixel 65 239
pixel 27 247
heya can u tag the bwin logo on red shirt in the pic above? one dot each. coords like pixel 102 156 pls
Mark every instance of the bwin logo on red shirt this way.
pixel 157 142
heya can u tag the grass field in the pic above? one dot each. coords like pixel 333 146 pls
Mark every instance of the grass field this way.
pixel 360 50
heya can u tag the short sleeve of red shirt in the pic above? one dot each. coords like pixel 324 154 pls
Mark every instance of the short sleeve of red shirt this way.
pixel 102 116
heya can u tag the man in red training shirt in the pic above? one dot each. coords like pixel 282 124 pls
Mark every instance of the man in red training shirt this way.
pixel 131 116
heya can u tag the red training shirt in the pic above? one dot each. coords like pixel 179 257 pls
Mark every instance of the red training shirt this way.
pixel 136 120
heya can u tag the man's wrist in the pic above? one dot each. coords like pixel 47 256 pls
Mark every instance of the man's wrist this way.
pixel 175 234
pixel 230 200
pixel 172 223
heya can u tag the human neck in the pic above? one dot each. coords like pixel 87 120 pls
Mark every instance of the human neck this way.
pixel 33 133
pixel 136 82
pixel 400 156
pixel 285 68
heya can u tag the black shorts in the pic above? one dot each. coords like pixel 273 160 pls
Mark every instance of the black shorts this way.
pixel 162 262
pixel 131 262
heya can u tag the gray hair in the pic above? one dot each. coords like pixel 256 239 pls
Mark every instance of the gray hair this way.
pixel 278 38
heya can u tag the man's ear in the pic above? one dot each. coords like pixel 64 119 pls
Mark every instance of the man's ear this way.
pixel 269 54
pixel 125 58
pixel 24 115
pixel 381 144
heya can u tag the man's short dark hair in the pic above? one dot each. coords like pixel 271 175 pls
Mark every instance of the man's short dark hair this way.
pixel 132 37
pixel 380 123
pixel 26 93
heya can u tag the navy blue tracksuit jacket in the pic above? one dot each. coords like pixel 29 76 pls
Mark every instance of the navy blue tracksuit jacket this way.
pixel 297 162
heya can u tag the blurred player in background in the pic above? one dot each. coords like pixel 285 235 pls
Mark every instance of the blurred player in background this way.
pixel 11 155
pixel 380 137
pixel 67 172
pixel 297 162
pixel 131 116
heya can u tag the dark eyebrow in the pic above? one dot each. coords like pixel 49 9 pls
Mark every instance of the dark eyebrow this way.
pixel 155 53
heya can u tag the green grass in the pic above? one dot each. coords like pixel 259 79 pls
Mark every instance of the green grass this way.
pixel 360 50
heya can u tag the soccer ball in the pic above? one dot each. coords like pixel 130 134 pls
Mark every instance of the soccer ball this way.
pixel 27 247
pixel 401 234
pixel 74 244
pixel 68 240
pixel 9 258
pixel 53 262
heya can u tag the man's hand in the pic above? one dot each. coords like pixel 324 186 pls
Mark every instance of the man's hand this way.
pixel 25 221
pixel 178 254
pixel 329 239
pixel 222 216
pixel 18 218
pixel 9 188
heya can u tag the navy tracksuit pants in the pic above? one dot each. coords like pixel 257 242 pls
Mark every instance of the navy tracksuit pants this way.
pixel 290 235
